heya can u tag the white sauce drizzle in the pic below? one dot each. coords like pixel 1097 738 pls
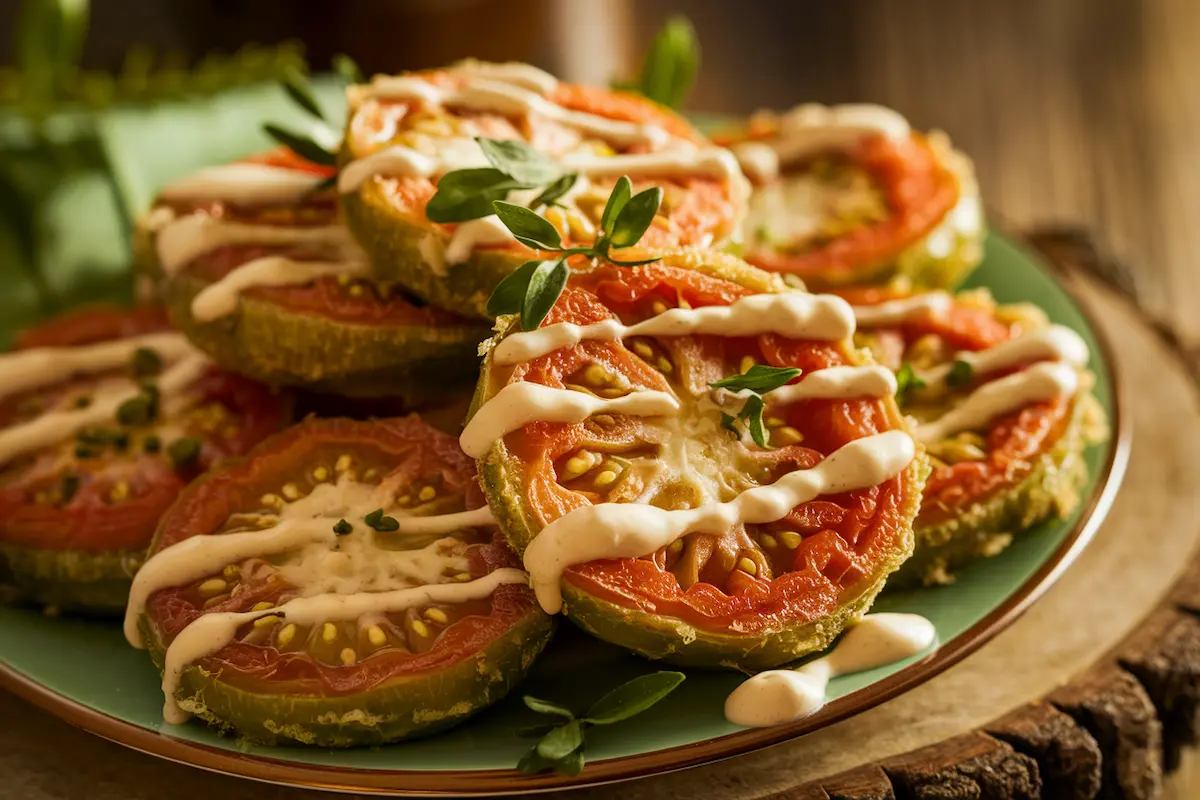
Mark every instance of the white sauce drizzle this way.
pixel 55 426
pixel 1043 381
pixel 523 402
pixel 211 632
pixel 1055 343
pixel 220 298
pixel 519 74
pixel 467 236
pixel 632 530
pixel 894 312
pixel 488 94
pixel 779 696
pixel 832 383
pixel 184 240
pixel 444 523
pixel 795 315
pixel 812 128
pixel 242 184
pixel 24 370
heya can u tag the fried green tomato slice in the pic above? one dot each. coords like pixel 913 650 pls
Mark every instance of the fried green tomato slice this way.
pixel 750 596
pixel 996 478
pixel 406 132
pixel 849 195
pixel 79 500
pixel 335 627
pixel 261 275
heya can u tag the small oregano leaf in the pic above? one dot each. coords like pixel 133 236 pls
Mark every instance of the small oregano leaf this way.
pixel 546 707
pixel 760 378
pixel 527 227
pixel 296 84
pixel 572 764
pixel 347 68
pixel 906 380
pixel 562 741
pixel 519 161
pixel 531 763
pixel 633 220
pixel 467 194
pixel 554 192
pixel 961 374
pixel 546 283
pixel 633 697
pixel 752 412
pixel 302 146
pixel 509 294
pixel 616 202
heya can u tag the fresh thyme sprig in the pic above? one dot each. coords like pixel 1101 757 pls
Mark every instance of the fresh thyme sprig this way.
pixel 758 380
pixel 297 86
pixel 467 194
pixel 670 66
pixel 561 746
pixel 532 289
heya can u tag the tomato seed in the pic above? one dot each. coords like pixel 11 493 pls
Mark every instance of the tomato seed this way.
pixel 343 463
pixel 290 491
pixel 747 363
pixel 419 628
pixel 658 307
pixel 376 635
pixel 791 540
pixel 286 635
pixel 349 657
pixel 426 494
pixel 263 606
pixel 328 632
pixel 213 585
pixel 436 615
pixel 786 435
pixel 768 541
pixel 748 566
pixel 606 477
pixel 267 621
pixel 320 474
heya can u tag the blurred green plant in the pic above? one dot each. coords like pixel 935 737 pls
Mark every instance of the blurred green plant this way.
pixel 670 66
pixel 54 166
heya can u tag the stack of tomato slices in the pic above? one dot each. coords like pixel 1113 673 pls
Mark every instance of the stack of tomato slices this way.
pixel 77 513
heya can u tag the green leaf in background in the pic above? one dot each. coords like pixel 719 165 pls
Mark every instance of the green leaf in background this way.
pixel 48 40
pixel 671 63
pixel 302 146
pixel 148 147
pixel 296 84
pixel 347 68
pixel 907 379
pixel 546 707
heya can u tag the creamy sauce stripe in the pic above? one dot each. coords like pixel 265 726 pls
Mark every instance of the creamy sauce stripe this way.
pixel 633 530
pixel 793 315
pixel 186 239
pixel 220 298
pixel 242 184
pixel 208 633
pixel 53 427
pixel 779 696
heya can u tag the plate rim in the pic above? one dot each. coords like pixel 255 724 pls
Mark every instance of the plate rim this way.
pixel 433 783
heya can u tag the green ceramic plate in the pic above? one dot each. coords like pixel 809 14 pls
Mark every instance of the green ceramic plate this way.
pixel 85 672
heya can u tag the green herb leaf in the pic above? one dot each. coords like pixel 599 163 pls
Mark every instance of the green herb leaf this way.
pixel 961 374
pixel 531 763
pixel 83 451
pixel 509 294
pixel 83 401
pixel 546 707
pixel 671 64
pixel 616 203
pixel 183 452
pixel 341 527
pixel 536 731
pixel 572 764
pixel 546 283
pixel 633 697
pixel 519 161
pixel 752 412
pixel 137 410
pixel 729 423
pixel 377 521
pixel 468 194
pixel 554 192
pixel 906 380
pixel 562 741
pixel 760 378
pixel 302 146
pixel 527 227
pixel 151 444
pixel 146 363
pixel 635 217
pixel 323 185
pixel 296 84
pixel 347 68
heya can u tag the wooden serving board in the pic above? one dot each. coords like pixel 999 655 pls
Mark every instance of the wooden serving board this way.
pixel 1095 692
